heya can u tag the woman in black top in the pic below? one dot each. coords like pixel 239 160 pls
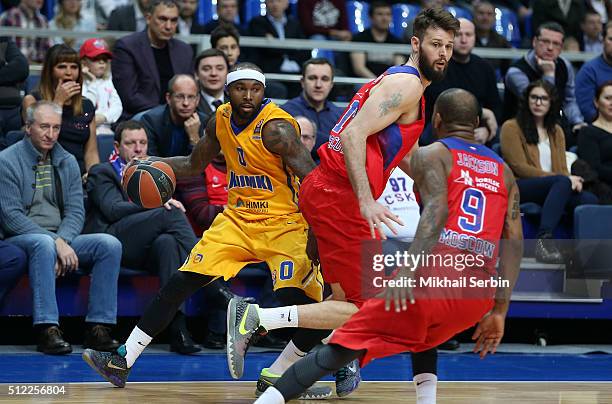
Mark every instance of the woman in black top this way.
pixel 595 140
pixel 60 81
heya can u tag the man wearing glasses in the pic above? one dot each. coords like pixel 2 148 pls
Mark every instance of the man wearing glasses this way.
pixel 173 129
pixel 543 61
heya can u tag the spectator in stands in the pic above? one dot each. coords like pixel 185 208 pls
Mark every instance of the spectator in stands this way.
pixel 129 17
pixel 13 264
pixel 591 39
pixel 277 24
pixel 308 131
pixel 104 8
pixel 595 140
pixel 227 14
pixel 544 62
pixel 144 62
pixel 568 14
pixel 98 85
pixel 14 71
pixel 603 8
pixel 592 74
pixel 227 39
pixel 188 23
pixel 324 19
pixel 173 129
pixel 60 82
pixel 487 37
pixel 71 17
pixel 373 63
pixel 533 145
pixel 211 68
pixel 27 15
pixel 43 213
pixel 165 236
pixel 317 82
pixel 471 73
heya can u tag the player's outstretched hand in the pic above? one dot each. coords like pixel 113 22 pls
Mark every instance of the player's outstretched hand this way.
pixel 399 296
pixel 489 333
pixel 376 214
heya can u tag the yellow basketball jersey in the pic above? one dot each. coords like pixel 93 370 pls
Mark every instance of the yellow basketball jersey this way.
pixel 258 183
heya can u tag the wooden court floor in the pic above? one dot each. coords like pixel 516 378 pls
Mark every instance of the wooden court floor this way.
pixel 369 392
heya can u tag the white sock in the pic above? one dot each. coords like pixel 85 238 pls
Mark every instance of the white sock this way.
pixel 326 340
pixel 288 357
pixel 425 385
pixel 271 396
pixel 278 317
pixel 135 344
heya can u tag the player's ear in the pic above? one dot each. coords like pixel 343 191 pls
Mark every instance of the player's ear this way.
pixel 415 42
pixel 477 122
pixel 437 121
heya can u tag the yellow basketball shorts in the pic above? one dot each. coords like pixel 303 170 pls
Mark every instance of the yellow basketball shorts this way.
pixel 231 243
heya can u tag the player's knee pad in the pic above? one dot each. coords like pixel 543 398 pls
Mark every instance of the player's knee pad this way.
pixel 333 357
pixel 291 296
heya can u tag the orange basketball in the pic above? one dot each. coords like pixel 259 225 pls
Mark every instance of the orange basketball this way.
pixel 149 184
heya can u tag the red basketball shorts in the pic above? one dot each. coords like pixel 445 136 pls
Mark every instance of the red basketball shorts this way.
pixel 332 211
pixel 425 325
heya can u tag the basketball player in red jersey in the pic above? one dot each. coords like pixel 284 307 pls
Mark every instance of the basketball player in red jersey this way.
pixel 338 198
pixel 468 191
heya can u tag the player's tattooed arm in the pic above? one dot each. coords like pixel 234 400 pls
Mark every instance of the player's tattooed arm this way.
pixel 280 137
pixel 511 245
pixel 204 151
pixel 429 167
pixel 384 107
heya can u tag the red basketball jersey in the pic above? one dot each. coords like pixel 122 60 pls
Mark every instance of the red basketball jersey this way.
pixel 477 201
pixel 385 149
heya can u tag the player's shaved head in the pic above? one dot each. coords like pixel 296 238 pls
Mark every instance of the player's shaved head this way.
pixel 455 110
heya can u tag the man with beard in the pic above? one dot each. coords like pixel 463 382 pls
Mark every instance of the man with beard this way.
pixel 262 223
pixel 389 326
pixel 380 126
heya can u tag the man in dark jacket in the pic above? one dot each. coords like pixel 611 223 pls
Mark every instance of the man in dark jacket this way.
pixel 165 237
pixel 144 62
pixel 175 128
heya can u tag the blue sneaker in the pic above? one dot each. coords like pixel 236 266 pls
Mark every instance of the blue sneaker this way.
pixel 110 365
pixel 348 379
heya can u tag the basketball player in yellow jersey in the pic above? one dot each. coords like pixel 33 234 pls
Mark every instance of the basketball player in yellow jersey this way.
pixel 265 161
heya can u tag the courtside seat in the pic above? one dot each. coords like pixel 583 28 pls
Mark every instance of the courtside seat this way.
pixel 402 14
pixel 592 224
pixel 507 25
pixel 135 291
pixel 459 12
pixel 357 14
pixel 206 11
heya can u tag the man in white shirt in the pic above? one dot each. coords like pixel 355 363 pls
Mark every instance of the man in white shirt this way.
pixel 211 71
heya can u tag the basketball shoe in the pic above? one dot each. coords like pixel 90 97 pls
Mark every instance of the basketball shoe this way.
pixel 348 378
pixel 242 324
pixel 110 365
pixel 267 379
